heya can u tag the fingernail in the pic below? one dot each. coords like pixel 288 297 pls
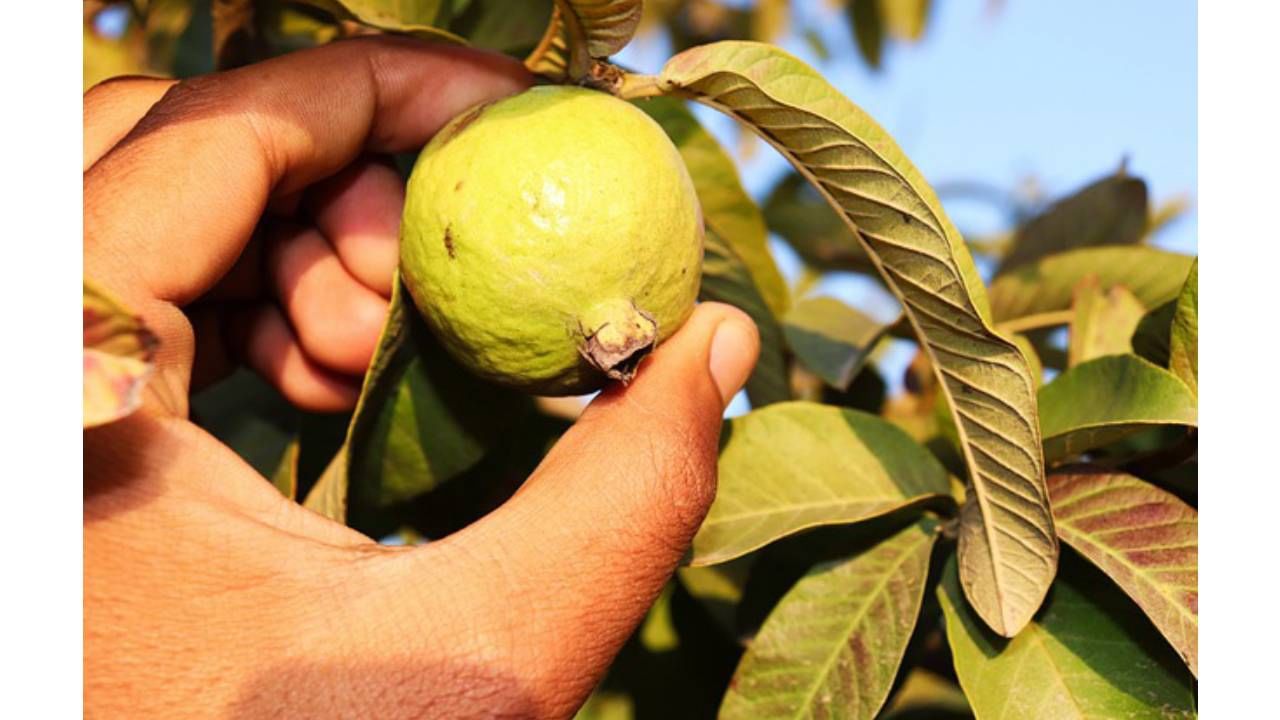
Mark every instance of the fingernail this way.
pixel 732 356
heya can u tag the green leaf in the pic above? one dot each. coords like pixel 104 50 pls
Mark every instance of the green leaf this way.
pixel 328 496
pixel 832 646
pixel 812 228
pixel 1153 276
pixel 798 465
pixel 1143 538
pixel 1007 542
pixel 1106 399
pixel 285 477
pixel 725 279
pixel 582 30
pixel 831 338
pixel 1102 323
pixel 868 30
pixel 1151 338
pixel 727 209
pixel 1087 655
pixel 118 357
pixel 423 19
pixel 1110 211
pixel 502 25
pixel 1183 345
pixel 421 419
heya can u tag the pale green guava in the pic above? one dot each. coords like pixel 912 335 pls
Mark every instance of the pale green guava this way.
pixel 552 239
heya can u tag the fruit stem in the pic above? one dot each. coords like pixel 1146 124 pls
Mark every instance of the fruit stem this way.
pixel 635 86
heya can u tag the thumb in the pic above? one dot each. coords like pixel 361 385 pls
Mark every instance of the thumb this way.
pixel 571 564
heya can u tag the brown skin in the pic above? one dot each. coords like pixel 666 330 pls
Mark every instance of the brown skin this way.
pixel 208 594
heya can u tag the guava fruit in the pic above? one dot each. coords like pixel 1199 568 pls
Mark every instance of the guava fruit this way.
pixel 552 239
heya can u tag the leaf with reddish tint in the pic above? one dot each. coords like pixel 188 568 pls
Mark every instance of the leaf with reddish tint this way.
pixel 832 645
pixel 1143 538
pixel 118 350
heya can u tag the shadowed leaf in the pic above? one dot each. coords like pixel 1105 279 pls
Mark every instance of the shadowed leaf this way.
pixel 1153 276
pixel 603 27
pixel 725 279
pixel 831 338
pixel 798 465
pixel 1102 322
pixel 1143 538
pixel 328 496
pixel 1183 345
pixel 1110 211
pixel 727 209
pixel 1106 399
pixel 924 695
pixel 868 30
pixel 503 25
pixel 832 646
pixel 812 228
pixel 1087 655
pixel 118 350
pixel 1151 338
pixel 1007 544
pixel 421 418
pixel 423 19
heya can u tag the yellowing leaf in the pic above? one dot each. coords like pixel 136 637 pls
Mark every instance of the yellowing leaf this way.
pixel 285 477
pixel 1106 399
pixel 832 645
pixel 1143 538
pixel 1153 276
pixel 328 496
pixel 118 350
pixel 423 19
pixel 1102 323
pixel 831 338
pixel 797 465
pixel 1088 655
pixel 898 220
pixel 905 19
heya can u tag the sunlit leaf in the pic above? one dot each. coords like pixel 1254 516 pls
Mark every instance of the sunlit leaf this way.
pixel 1153 276
pixel 1032 357
pixel 1102 322
pixel 1110 211
pixel 831 338
pixel 1007 543
pixel 285 477
pixel 798 465
pixel 580 30
pixel 1087 655
pixel 1183 344
pixel 1143 538
pixel 1106 399
pixel 832 646
pixel 118 350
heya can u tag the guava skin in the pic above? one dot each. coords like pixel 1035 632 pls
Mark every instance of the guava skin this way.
pixel 551 239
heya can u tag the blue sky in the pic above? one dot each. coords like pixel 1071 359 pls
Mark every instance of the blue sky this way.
pixel 1012 93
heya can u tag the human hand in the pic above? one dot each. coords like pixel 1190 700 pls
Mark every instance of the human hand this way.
pixel 205 591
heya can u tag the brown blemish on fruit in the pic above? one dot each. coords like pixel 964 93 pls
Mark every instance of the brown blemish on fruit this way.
pixel 448 243
pixel 620 360
pixel 457 126
pixel 457 186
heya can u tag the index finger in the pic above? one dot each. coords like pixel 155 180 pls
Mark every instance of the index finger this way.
pixel 169 209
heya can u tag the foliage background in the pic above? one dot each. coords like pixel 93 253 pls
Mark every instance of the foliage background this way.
pixel 1004 106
